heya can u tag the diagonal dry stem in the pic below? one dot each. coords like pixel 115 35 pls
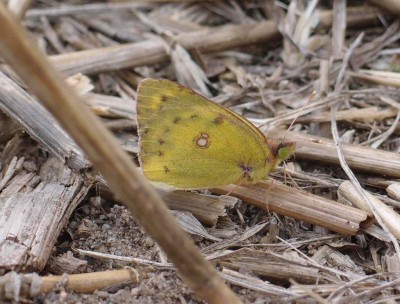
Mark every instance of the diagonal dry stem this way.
pixel 103 150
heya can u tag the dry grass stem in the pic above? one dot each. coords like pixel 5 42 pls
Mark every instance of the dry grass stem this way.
pixel 389 5
pixel 275 197
pixel 393 190
pixel 150 52
pixel 15 286
pixel 359 158
pixel 364 115
pixel 89 282
pixel 378 77
pixel 387 214
pixel 19 7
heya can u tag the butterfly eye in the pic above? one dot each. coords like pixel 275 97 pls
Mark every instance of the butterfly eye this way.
pixel 284 151
pixel 279 147
pixel 281 151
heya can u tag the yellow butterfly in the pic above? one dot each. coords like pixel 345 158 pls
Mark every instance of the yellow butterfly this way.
pixel 190 142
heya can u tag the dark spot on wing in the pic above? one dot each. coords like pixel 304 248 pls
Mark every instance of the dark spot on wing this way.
pixel 164 98
pixel 166 170
pixel 246 171
pixel 161 141
pixel 177 119
pixel 218 120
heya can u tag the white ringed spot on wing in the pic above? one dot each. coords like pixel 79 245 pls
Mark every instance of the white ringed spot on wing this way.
pixel 202 140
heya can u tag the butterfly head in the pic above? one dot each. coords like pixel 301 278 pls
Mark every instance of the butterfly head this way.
pixel 285 151
pixel 280 151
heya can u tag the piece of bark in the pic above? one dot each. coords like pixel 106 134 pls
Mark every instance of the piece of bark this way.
pixel 33 211
pixel 276 197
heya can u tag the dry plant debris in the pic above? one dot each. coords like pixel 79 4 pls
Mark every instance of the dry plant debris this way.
pixel 325 229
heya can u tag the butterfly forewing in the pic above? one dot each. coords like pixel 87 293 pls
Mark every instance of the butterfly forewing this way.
pixel 189 142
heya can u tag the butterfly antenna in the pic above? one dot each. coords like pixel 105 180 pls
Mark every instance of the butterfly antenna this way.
pixel 310 98
pixel 286 175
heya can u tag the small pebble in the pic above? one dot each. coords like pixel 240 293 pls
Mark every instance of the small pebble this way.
pixel 105 227
pixel 102 294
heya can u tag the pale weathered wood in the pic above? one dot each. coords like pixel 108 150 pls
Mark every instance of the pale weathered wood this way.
pixel 33 210
pixel 208 40
pixel 390 217
pixel 37 121
pixel 393 190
